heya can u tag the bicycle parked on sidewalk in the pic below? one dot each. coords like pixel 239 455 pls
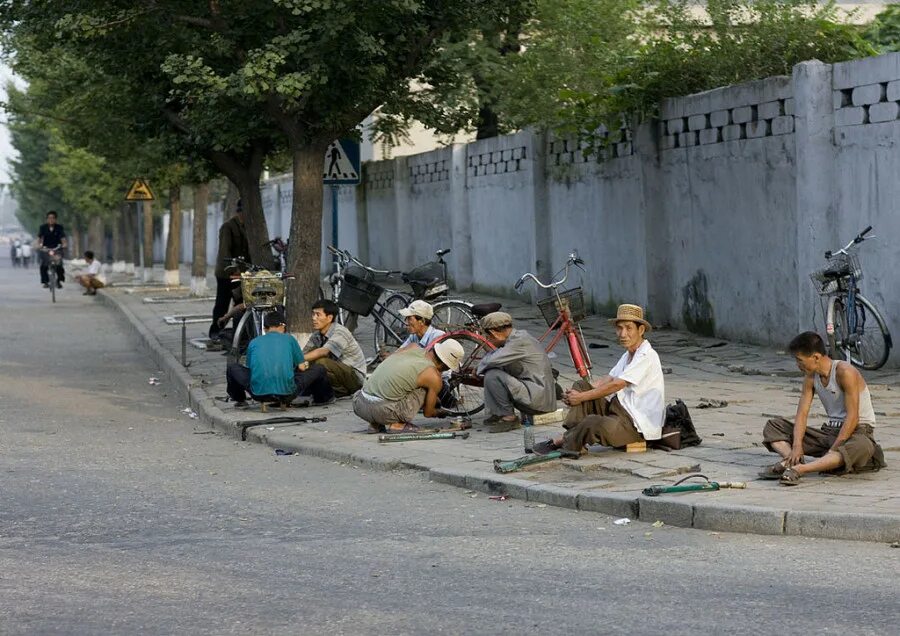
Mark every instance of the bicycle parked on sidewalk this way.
pixel 262 292
pixel 856 330
pixel 358 290
pixel 562 310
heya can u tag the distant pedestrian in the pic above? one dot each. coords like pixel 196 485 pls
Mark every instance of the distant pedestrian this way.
pixel 13 257
pixel 232 244
pixel 26 254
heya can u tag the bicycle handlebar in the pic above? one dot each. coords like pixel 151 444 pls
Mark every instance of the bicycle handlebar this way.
pixel 347 256
pixel 573 259
pixel 856 241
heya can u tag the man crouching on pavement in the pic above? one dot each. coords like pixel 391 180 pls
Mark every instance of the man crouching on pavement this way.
pixel 517 375
pixel 626 406
pixel 405 382
pixel 846 442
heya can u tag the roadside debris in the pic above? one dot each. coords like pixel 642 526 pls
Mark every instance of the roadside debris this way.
pixel 281 451
pixel 190 412
pixel 624 521
pixel 498 497
pixel 153 381
pixel 710 403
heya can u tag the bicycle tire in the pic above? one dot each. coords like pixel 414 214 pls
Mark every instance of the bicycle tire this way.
pixel 53 282
pixel 452 315
pixel 468 394
pixel 868 348
pixel 388 313
pixel 243 334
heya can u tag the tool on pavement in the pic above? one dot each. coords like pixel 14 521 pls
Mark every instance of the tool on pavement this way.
pixel 285 419
pixel 512 465
pixel 414 437
pixel 656 490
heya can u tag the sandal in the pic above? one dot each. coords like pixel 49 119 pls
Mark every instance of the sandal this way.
pixel 504 426
pixel 399 427
pixel 775 471
pixel 547 446
pixel 790 477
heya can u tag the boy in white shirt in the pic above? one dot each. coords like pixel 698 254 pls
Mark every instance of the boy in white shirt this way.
pixel 624 407
pixel 90 278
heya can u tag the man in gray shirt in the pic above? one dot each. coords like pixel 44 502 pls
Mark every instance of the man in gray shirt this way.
pixel 517 375
pixel 335 348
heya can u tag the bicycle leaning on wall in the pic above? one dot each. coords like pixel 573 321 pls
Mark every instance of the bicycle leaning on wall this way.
pixel 856 329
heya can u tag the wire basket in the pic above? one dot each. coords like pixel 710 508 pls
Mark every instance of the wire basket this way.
pixel 574 298
pixel 840 267
pixel 262 289
pixel 358 294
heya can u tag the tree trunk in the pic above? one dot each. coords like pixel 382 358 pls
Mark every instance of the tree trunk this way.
pixel 115 227
pixel 95 236
pixel 75 242
pixel 305 251
pixel 173 242
pixel 232 196
pixel 198 266
pixel 147 240
pixel 131 227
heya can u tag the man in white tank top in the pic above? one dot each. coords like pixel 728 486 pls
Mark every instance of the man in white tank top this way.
pixel 846 442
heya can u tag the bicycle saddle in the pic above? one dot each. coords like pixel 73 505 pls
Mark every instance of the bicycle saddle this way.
pixel 482 310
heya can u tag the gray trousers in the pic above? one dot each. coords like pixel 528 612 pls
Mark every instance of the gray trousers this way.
pixel 504 393
pixel 384 412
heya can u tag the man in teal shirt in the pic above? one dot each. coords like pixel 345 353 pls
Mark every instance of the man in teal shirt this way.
pixel 276 369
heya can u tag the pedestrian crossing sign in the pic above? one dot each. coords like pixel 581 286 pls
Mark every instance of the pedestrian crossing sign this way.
pixel 341 163
pixel 139 191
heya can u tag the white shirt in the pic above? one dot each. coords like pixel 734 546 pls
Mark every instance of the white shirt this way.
pixel 431 334
pixel 94 268
pixel 644 397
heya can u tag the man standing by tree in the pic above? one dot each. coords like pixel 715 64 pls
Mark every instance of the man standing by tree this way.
pixel 51 236
pixel 232 244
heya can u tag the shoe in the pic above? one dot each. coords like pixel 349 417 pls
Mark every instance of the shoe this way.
pixel 45 285
pixel 790 477
pixel 241 405
pixel 59 285
pixel 215 346
pixel 325 403
pixel 504 426
pixel 86 293
pixel 490 420
pixel 547 446
pixel 773 472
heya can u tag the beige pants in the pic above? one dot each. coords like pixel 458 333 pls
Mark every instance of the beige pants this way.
pixel 384 412
pixel 600 421
pixel 860 453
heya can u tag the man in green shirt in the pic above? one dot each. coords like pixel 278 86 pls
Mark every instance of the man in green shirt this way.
pixel 276 369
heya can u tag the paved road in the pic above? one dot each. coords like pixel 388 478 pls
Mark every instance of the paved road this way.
pixel 116 516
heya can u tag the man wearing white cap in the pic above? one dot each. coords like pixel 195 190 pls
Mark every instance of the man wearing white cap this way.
pixel 517 375
pixel 404 383
pixel 418 323
pixel 626 406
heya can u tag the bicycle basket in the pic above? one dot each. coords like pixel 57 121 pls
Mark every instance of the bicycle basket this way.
pixel 358 295
pixel 840 267
pixel 573 297
pixel 262 289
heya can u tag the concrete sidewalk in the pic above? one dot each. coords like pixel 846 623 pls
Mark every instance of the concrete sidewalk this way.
pixel 756 383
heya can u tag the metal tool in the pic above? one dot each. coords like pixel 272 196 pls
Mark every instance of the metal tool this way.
pixel 656 490
pixel 414 437
pixel 512 465
pixel 285 419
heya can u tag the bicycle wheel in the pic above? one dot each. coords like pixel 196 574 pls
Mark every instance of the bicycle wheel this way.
pixel 243 334
pixel 390 328
pixel 452 315
pixel 869 345
pixel 466 387
pixel 53 282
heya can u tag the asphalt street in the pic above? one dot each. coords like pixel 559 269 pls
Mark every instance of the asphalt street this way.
pixel 119 514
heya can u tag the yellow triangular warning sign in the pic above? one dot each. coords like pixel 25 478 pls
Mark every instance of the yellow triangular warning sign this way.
pixel 139 191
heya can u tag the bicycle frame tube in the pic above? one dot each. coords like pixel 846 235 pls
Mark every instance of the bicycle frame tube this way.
pixel 565 327
pixel 376 314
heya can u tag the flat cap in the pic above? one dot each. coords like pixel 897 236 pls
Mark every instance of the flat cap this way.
pixel 496 320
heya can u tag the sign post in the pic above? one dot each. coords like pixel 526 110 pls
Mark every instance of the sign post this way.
pixel 341 168
pixel 138 192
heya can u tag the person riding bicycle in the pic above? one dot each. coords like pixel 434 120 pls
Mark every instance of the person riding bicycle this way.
pixel 846 442
pixel 276 369
pixel 232 244
pixel 628 405
pixel 517 375
pixel 51 236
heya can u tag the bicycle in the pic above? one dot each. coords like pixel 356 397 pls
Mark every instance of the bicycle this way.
pixel 54 258
pixel 849 314
pixel 357 293
pixel 262 292
pixel 562 310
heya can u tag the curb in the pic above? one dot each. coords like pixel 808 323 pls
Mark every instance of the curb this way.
pixel 674 512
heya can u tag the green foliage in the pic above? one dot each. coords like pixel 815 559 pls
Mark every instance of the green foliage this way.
pixel 884 32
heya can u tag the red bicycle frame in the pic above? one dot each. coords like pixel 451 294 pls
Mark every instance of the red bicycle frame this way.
pixel 564 326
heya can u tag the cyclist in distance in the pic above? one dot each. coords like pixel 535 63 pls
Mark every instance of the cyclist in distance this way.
pixel 51 235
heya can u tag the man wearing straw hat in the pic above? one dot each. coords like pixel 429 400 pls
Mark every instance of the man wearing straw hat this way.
pixel 621 408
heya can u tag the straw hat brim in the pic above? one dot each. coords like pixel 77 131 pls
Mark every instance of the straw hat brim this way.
pixel 639 321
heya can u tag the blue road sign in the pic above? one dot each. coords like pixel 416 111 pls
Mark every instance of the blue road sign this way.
pixel 341 163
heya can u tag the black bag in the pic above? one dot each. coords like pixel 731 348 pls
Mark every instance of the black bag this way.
pixel 679 419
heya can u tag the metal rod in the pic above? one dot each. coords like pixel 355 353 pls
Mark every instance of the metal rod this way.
pixel 184 342
pixel 334 217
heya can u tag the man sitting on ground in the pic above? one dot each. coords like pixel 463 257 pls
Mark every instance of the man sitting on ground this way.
pixel 90 277
pixel 333 347
pixel 621 408
pixel 404 383
pixel 846 442
pixel 517 375
pixel 276 369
